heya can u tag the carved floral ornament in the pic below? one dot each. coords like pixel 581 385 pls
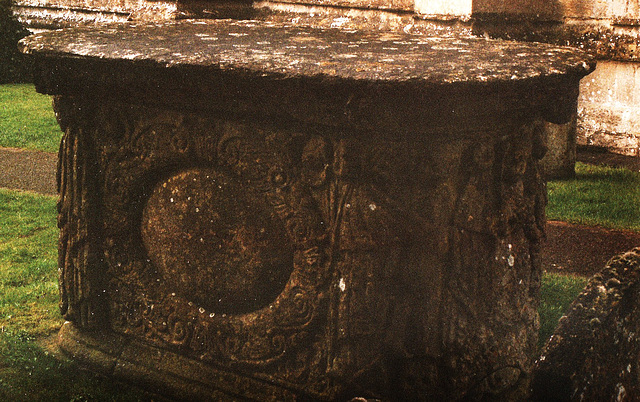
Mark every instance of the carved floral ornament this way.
pixel 331 247
pixel 250 246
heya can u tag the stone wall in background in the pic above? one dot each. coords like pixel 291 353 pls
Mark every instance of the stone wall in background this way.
pixel 626 11
pixel 51 14
pixel 620 15
pixel 444 9
pixel 609 107
pixel 609 110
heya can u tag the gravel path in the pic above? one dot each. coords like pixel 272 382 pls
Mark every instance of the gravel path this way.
pixel 28 170
pixel 583 250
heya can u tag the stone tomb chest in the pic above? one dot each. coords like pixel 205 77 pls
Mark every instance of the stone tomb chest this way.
pixel 277 212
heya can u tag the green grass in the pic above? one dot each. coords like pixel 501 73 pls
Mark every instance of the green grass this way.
pixel 28 263
pixel 27 119
pixel 599 196
pixel 556 294
pixel 29 311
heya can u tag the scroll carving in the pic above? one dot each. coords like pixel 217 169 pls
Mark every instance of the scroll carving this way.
pixel 140 155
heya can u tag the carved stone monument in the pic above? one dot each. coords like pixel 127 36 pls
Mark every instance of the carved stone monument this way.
pixel 270 211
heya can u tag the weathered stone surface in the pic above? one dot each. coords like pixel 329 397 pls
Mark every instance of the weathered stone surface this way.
pixel 216 241
pixel 605 40
pixel 280 51
pixel 449 77
pixel 593 354
pixel 400 196
pixel 55 14
pixel 395 5
pixel 533 9
pixel 560 159
pixel 362 258
pixel 361 19
pixel 609 107
pixel 167 373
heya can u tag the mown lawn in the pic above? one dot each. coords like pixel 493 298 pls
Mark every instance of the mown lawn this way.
pixel 29 311
pixel 557 293
pixel 27 119
pixel 600 196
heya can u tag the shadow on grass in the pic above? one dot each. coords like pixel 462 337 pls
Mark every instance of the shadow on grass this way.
pixel 597 174
pixel 556 295
pixel 32 370
pixel 617 176
pixel 600 196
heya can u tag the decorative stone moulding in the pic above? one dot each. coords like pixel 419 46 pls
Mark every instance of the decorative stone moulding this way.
pixel 272 211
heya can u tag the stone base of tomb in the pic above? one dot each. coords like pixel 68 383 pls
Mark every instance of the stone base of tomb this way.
pixel 158 370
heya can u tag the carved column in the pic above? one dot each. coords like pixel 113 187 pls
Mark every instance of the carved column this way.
pixel 80 254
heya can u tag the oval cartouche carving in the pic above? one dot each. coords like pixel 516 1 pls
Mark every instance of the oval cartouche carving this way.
pixel 216 241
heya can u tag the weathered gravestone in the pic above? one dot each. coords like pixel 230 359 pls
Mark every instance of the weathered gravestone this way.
pixel 593 354
pixel 275 212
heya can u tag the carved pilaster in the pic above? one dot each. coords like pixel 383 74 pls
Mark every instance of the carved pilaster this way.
pixel 80 262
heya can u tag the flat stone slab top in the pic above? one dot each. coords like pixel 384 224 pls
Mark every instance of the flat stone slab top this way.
pixel 341 78
pixel 287 51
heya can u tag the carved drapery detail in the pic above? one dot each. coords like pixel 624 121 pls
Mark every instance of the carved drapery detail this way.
pixel 80 263
pixel 493 267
